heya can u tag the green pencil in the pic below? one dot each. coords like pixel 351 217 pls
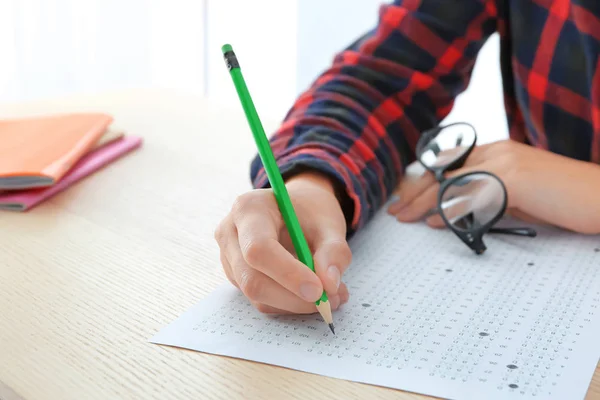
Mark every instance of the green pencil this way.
pixel 274 175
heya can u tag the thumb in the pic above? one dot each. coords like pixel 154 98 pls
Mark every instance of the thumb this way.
pixel 332 258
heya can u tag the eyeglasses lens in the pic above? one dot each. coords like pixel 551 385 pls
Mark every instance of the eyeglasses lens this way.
pixel 473 201
pixel 450 143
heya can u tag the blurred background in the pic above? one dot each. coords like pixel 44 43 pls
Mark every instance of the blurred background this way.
pixel 55 48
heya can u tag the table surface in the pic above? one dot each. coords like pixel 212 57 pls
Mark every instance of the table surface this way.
pixel 87 278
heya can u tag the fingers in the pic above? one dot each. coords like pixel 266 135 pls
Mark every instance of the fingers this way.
pixel 223 232
pixel 426 200
pixel 335 303
pixel 410 189
pixel 343 294
pixel 260 289
pixel 251 241
pixel 435 221
pixel 420 206
pixel 227 269
pixel 332 258
pixel 261 250
pixel 266 295
pixel 326 236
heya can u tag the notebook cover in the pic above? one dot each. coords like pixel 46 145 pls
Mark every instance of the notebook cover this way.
pixel 110 135
pixel 90 163
pixel 39 151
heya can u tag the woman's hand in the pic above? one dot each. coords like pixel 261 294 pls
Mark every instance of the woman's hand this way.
pixel 542 187
pixel 257 254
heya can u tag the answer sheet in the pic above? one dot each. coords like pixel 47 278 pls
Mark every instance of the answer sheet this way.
pixel 427 315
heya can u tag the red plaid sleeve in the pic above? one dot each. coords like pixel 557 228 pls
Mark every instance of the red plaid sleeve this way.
pixel 360 120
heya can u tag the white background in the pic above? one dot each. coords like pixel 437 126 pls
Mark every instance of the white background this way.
pixel 56 47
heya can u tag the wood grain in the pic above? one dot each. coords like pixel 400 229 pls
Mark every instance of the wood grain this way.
pixel 88 277
pixel 7 393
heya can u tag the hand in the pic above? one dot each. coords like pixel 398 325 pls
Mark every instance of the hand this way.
pixel 543 187
pixel 258 256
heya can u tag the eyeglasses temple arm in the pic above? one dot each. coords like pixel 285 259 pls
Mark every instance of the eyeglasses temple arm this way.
pixel 504 231
pixel 515 231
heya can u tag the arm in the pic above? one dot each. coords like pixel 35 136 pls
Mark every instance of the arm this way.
pixel 360 120
pixel 543 187
pixel 554 189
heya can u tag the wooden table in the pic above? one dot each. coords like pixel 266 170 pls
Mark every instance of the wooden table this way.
pixel 89 276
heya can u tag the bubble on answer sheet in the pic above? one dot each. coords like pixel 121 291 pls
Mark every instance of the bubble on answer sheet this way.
pixel 511 366
pixel 366 305
pixel 513 386
pixel 484 334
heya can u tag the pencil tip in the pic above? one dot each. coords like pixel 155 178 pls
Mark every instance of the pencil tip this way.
pixel 331 327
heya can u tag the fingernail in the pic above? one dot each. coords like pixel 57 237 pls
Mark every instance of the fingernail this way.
pixel 334 274
pixel 310 291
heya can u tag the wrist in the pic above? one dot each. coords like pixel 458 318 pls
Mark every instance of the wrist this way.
pixel 313 178
pixel 321 181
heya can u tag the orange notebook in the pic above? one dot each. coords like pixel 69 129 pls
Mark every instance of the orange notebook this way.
pixel 38 151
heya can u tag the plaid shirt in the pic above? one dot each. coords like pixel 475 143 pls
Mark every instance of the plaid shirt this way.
pixel 361 119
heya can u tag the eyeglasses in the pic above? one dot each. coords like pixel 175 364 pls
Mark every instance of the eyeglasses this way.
pixel 469 204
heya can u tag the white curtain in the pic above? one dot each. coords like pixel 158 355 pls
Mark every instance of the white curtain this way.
pixel 57 47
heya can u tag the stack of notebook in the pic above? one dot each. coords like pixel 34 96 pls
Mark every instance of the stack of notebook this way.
pixel 42 156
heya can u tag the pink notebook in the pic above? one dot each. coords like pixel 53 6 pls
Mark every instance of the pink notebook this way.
pixel 24 200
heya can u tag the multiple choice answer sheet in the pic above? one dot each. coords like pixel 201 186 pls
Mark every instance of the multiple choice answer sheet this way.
pixel 427 315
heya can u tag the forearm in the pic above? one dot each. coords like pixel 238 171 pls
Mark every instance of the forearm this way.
pixel 562 192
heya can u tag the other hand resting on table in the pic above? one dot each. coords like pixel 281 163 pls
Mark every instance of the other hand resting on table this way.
pixel 543 187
